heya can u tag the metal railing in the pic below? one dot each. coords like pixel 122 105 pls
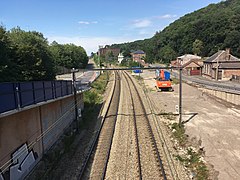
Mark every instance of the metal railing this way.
pixel 18 95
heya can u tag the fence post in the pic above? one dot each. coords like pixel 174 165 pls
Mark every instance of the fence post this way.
pixel 61 88
pixel 53 89
pixel 33 92
pixel 18 98
pixel 44 91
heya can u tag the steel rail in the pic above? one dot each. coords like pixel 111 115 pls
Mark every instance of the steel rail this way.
pixel 115 119
pixel 157 120
pixel 93 145
pixel 136 131
pixel 150 128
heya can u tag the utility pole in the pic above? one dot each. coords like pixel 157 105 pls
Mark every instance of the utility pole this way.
pixel 139 69
pixel 75 96
pixel 99 59
pixel 180 95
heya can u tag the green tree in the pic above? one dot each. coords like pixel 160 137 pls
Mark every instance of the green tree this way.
pixel 197 47
pixel 69 55
pixel 8 68
pixel 167 54
pixel 32 56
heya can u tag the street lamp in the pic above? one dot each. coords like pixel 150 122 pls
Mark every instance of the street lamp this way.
pixel 75 95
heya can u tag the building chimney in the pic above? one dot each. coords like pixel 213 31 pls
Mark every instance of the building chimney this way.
pixel 228 55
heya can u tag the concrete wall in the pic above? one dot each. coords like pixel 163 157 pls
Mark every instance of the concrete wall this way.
pixel 233 98
pixel 26 135
pixel 16 131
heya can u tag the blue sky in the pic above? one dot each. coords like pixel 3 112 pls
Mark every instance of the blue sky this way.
pixel 91 23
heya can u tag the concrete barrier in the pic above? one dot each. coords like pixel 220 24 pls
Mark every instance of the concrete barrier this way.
pixel 233 98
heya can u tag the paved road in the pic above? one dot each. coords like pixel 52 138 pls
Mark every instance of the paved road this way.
pixel 87 77
pixel 83 77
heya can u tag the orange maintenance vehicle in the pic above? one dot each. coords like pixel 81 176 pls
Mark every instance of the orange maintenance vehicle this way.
pixel 163 81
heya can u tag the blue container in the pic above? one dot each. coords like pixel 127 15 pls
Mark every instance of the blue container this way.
pixel 167 75
pixel 137 70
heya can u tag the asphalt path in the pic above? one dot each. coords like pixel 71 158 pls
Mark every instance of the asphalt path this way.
pixel 85 79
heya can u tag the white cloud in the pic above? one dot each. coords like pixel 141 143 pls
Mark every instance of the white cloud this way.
pixel 141 23
pixel 83 22
pixel 90 44
pixel 166 16
pixel 87 22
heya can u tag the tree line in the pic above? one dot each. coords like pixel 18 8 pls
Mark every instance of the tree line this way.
pixel 28 56
pixel 202 32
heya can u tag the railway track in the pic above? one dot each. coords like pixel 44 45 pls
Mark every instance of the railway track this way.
pixel 149 159
pixel 95 164
pixel 134 154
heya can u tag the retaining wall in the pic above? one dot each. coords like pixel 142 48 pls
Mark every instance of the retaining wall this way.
pixel 231 97
pixel 26 135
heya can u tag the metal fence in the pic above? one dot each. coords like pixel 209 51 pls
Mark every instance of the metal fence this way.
pixel 19 95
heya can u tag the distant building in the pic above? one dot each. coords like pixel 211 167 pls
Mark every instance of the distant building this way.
pixel 221 66
pixel 191 64
pixel 138 56
pixel 186 58
pixel 193 67
pixel 120 58
pixel 108 52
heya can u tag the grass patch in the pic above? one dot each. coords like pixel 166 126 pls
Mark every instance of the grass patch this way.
pixel 175 81
pixel 94 95
pixel 179 133
pixel 93 99
pixel 192 159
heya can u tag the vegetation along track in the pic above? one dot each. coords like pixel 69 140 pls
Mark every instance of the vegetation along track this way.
pixel 95 164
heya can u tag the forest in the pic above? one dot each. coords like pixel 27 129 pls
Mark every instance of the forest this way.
pixel 28 56
pixel 202 32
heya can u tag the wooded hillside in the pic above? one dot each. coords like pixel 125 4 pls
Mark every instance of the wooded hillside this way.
pixel 202 32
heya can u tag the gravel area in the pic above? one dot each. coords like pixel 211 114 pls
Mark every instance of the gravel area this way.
pixel 216 125
pixel 122 162
pixel 163 137
pixel 123 158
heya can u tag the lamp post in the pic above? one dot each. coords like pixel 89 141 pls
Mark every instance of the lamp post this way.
pixel 75 96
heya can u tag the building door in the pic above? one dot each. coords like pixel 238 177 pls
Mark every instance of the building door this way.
pixel 219 74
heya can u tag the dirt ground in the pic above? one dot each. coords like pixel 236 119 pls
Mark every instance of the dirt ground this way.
pixel 217 124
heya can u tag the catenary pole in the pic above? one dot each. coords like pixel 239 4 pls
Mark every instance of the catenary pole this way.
pixel 75 96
